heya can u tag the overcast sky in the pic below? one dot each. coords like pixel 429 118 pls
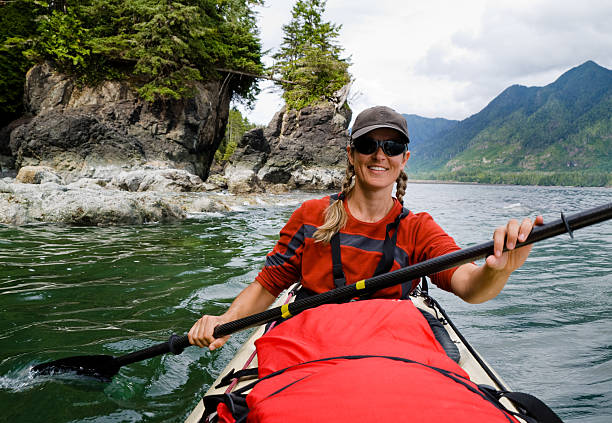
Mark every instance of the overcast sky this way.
pixel 449 58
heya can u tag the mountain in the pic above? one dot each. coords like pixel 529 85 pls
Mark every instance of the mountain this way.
pixel 421 129
pixel 564 127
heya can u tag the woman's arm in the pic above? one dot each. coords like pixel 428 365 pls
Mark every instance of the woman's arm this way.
pixel 253 299
pixel 477 284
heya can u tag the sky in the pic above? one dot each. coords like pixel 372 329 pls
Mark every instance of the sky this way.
pixel 447 58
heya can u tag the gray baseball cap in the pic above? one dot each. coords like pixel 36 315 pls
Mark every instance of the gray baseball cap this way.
pixel 379 117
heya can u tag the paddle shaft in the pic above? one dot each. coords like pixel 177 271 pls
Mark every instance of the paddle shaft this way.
pixel 417 271
pixel 176 344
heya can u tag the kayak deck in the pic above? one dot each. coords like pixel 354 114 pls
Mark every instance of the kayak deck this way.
pixel 471 362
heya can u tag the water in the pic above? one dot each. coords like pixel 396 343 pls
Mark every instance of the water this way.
pixel 78 291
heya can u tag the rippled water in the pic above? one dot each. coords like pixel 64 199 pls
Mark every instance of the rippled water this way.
pixel 71 291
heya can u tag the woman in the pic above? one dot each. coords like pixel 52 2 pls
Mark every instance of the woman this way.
pixel 365 231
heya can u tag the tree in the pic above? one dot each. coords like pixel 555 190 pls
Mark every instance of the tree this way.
pixel 17 21
pixel 237 125
pixel 161 46
pixel 310 56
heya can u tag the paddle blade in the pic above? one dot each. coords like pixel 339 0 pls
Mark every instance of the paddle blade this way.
pixel 102 367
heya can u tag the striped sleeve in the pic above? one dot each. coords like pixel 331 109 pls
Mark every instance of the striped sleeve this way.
pixel 283 263
pixel 432 241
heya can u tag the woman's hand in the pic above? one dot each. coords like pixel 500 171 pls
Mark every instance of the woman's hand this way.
pixel 477 284
pixel 201 334
pixel 253 299
pixel 512 233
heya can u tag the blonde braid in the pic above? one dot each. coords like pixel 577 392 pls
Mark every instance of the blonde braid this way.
pixel 402 183
pixel 335 214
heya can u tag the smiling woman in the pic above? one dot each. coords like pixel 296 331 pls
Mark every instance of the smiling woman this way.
pixel 378 170
pixel 363 231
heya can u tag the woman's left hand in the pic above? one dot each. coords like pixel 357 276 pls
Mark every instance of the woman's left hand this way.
pixel 511 233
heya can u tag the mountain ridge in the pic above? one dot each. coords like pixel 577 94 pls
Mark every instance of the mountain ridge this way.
pixel 565 126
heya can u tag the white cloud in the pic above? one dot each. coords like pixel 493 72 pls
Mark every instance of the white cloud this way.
pixel 450 58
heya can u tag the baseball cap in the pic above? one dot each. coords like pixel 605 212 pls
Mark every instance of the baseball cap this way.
pixel 379 117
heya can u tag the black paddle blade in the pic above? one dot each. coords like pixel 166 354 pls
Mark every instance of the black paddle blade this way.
pixel 102 367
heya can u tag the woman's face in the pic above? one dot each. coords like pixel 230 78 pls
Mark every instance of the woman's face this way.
pixel 377 170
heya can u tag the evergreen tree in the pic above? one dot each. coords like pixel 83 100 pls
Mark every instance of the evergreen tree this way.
pixel 17 21
pixel 237 125
pixel 310 56
pixel 162 47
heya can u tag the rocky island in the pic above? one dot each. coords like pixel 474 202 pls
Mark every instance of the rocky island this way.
pixel 102 155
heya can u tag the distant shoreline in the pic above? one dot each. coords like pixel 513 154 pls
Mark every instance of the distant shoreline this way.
pixel 436 181
pixel 447 182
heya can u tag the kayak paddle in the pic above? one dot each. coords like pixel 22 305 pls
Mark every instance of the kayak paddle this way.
pixel 428 267
pixel 105 366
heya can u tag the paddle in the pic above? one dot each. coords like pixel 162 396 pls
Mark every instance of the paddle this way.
pixel 105 366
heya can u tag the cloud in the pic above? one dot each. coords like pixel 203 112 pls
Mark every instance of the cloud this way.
pixel 446 58
pixel 530 44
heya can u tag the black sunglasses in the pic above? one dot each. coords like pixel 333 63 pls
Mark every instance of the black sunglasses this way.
pixel 367 145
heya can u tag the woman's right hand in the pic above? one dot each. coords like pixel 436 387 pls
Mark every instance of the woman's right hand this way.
pixel 201 334
pixel 253 299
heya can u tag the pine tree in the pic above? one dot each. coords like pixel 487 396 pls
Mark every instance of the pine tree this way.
pixel 310 56
pixel 17 21
pixel 161 46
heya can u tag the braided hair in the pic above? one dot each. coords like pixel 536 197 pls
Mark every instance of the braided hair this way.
pixel 335 214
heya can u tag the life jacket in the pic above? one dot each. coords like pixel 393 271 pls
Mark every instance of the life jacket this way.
pixel 359 361
pixel 383 266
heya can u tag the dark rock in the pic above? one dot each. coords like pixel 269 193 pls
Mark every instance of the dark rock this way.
pixel 84 130
pixel 303 149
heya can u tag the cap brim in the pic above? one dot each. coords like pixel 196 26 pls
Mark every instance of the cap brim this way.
pixel 367 129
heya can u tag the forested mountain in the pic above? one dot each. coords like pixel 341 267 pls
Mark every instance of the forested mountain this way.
pixel 421 129
pixel 557 134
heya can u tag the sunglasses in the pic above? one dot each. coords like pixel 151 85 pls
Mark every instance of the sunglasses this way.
pixel 367 145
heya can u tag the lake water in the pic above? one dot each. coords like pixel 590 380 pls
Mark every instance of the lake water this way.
pixel 112 290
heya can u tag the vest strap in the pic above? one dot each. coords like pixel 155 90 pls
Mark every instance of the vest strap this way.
pixel 386 261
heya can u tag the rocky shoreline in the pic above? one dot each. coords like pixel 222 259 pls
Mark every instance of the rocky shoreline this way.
pixel 38 195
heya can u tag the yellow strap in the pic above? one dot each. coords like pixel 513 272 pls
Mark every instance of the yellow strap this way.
pixel 360 285
pixel 285 313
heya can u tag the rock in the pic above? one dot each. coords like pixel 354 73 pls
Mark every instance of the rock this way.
pixel 303 149
pixel 215 182
pixel 242 179
pixel 206 205
pixel 59 204
pixel 5 187
pixel 162 180
pixel 128 181
pixel 7 161
pixel 87 202
pixel 38 175
pixel 171 180
pixel 87 183
pixel 78 130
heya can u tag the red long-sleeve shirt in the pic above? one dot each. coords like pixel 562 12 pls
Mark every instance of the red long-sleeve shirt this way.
pixel 297 257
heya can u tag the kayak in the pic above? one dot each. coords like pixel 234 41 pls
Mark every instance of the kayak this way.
pixel 453 342
pixel 234 393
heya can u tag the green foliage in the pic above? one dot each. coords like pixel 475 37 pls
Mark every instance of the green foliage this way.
pixel 62 38
pixel 162 47
pixel 17 22
pixel 309 56
pixel 237 125
pixel 575 178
